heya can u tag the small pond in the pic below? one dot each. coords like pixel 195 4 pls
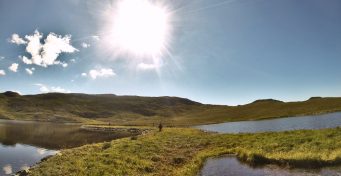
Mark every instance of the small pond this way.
pixel 231 166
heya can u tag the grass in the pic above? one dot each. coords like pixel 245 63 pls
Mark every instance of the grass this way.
pixel 182 151
pixel 146 111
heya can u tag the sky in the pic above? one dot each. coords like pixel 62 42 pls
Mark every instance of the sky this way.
pixel 216 52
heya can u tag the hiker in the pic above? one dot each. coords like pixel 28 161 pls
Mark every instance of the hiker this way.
pixel 160 127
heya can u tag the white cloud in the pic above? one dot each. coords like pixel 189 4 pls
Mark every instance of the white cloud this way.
pixel 2 73
pixel 2 57
pixel 7 169
pixel 29 71
pixel 14 67
pixel 85 45
pixel 42 88
pixel 46 54
pixel 46 89
pixel 59 89
pixel 73 60
pixel 99 73
pixel 16 39
pixel 144 66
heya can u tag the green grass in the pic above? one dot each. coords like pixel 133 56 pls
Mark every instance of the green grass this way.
pixel 134 110
pixel 182 151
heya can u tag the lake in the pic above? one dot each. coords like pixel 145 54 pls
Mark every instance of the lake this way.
pixel 23 144
pixel 330 120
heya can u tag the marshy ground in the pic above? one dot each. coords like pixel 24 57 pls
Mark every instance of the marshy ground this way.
pixel 182 151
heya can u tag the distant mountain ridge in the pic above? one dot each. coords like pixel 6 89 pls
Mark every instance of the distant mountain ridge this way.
pixel 136 110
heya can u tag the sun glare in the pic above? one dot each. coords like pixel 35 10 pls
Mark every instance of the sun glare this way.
pixel 140 27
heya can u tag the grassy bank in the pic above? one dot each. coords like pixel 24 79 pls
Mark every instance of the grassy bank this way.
pixel 181 151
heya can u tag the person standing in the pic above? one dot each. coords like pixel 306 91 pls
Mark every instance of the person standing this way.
pixel 160 127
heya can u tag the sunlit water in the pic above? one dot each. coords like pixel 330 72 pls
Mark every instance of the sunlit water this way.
pixel 23 144
pixel 230 166
pixel 331 120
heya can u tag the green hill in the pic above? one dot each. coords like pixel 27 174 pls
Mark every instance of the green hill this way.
pixel 135 110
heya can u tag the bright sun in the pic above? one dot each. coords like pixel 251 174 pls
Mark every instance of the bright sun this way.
pixel 140 27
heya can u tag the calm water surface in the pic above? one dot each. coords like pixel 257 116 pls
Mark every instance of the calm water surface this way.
pixel 331 120
pixel 23 144
pixel 230 166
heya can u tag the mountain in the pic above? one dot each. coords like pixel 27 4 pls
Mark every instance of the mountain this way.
pixel 136 110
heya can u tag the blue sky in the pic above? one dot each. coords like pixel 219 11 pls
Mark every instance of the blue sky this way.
pixel 218 52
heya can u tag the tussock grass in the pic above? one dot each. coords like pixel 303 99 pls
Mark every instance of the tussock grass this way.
pixel 182 151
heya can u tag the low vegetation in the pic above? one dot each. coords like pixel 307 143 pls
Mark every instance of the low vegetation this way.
pixel 134 110
pixel 182 151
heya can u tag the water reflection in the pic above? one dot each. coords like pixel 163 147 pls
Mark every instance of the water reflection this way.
pixel 49 135
pixel 7 169
pixel 19 157
pixel 22 144
pixel 230 166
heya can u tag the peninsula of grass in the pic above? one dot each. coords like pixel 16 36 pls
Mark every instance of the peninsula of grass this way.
pixel 182 151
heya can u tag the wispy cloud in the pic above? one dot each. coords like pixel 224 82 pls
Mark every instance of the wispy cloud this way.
pixel 144 66
pixel 99 73
pixel 47 53
pixel 46 89
pixel 14 67
pixel 29 71
pixel 85 45
pixel 95 37
pixel 73 60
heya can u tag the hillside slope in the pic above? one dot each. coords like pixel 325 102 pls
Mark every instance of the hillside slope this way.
pixel 135 110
